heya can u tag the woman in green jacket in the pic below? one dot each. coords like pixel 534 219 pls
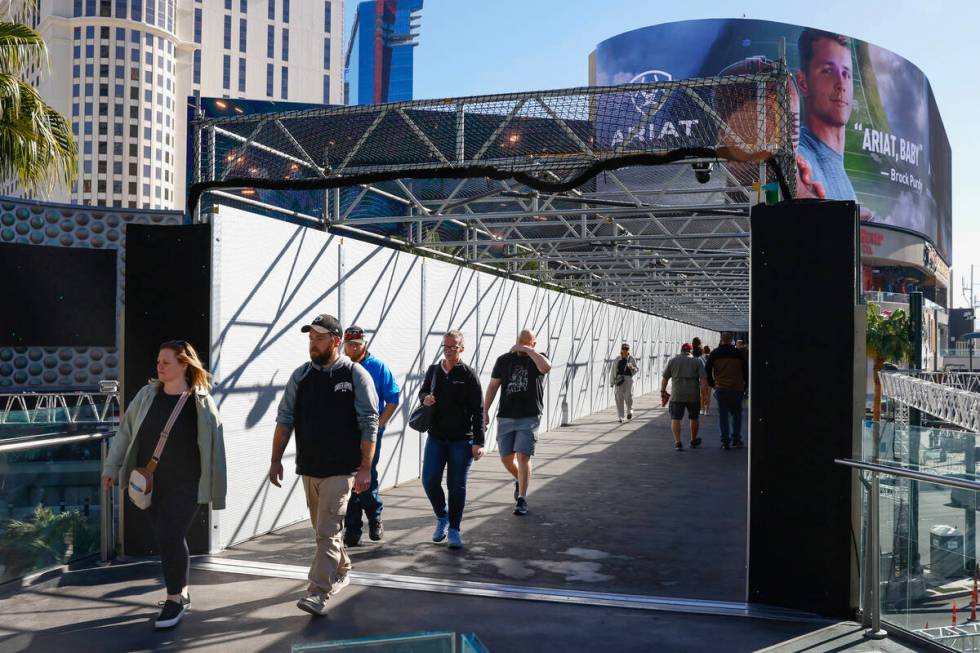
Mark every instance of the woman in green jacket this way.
pixel 191 467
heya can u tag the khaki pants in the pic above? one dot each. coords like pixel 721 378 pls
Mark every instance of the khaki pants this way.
pixel 624 395
pixel 327 500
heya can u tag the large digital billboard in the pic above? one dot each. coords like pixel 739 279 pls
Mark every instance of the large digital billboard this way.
pixel 869 126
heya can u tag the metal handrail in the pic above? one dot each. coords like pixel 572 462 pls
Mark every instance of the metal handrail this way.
pixel 874 570
pixel 901 472
pixel 106 540
pixel 41 441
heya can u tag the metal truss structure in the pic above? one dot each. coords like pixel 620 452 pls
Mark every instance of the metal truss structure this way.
pixel 60 407
pixel 637 195
pixel 950 404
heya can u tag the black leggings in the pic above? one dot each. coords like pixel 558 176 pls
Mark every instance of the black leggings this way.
pixel 172 513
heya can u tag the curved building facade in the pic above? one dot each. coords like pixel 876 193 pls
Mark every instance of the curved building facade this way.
pixel 869 129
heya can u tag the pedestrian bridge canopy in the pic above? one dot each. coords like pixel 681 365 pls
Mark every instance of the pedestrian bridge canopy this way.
pixel 636 195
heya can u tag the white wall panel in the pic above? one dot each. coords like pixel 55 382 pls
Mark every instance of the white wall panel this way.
pixel 381 295
pixel 271 277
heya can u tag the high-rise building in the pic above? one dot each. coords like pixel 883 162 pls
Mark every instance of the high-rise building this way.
pixel 380 58
pixel 122 71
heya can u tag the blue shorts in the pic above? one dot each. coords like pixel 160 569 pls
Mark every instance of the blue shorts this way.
pixel 517 434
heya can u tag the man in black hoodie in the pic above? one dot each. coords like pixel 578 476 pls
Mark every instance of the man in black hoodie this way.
pixel 455 435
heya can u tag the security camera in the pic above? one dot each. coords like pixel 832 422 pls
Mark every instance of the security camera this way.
pixel 702 171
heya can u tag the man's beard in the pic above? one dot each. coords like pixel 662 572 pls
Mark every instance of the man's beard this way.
pixel 320 359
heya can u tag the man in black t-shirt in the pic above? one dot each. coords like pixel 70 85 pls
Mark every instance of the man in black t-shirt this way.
pixel 520 376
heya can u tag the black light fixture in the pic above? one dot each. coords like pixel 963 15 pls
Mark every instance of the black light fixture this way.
pixel 702 171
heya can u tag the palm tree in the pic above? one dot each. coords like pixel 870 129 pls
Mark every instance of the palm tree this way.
pixel 889 338
pixel 37 146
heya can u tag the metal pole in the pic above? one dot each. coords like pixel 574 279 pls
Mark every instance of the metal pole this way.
pixel 875 632
pixel 105 511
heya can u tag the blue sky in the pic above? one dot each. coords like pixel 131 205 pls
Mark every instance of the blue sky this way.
pixel 472 47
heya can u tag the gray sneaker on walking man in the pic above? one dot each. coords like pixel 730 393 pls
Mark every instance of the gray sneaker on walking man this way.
pixel 332 405
pixel 519 374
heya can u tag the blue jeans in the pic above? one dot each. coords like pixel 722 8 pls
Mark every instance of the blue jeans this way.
pixel 730 413
pixel 368 502
pixel 457 456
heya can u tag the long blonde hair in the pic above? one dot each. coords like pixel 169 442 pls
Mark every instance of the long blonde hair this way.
pixel 197 376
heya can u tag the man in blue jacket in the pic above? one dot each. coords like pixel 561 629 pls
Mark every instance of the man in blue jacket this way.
pixel 369 502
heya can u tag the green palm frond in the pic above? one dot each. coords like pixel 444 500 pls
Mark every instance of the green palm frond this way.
pixel 20 48
pixel 37 146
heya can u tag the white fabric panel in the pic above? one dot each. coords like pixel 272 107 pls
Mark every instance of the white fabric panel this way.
pixel 382 296
pixel 274 277
pixel 271 277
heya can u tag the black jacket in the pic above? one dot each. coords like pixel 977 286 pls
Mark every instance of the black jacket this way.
pixel 458 411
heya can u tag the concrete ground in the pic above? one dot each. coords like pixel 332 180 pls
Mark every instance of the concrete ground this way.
pixel 613 508
pixel 614 511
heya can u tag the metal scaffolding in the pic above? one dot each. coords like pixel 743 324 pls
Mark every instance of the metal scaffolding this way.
pixel 637 195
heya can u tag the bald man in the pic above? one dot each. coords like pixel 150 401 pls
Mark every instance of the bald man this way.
pixel 520 375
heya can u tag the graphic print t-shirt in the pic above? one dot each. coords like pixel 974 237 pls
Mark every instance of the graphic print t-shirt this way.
pixel 521 386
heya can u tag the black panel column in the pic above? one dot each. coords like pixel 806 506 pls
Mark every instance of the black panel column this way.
pixel 804 410
pixel 168 297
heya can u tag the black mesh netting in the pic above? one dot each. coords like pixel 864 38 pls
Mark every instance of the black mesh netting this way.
pixel 549 141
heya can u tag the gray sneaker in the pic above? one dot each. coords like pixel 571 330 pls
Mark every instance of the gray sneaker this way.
pixel 315 603
pixel 340 583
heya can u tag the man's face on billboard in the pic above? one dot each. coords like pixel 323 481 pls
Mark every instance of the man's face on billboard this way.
pixel 828 84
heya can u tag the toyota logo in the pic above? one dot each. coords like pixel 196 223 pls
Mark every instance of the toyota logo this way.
pixel 643 101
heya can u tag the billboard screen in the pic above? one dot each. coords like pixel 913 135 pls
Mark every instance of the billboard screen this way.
pixel 870 129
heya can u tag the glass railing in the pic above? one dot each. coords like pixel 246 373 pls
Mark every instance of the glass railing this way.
pixel 52 508
pixel 920 488
pixel 438 642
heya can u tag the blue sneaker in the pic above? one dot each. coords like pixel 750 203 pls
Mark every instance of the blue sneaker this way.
pixel 455 541
pixel 442 525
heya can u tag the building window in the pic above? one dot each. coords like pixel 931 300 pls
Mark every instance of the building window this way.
pixel 270 48
pixel 326 89
pixel 137 10
pixel 105 8
pixel 269 74
pixel 326 53
pixel 228 5
pixel 243 6
pixel 151 12
pixel 226 73
pixel 197 25
pixel 89 7
pixel 121 7
pixel 326 16
pixel 227 32
pixel 285 11
pixel 242 35
pixel 197 66
pixel 241 75
pixel 272 9
pixel 285 44
pixel 285 83
pixel 78 8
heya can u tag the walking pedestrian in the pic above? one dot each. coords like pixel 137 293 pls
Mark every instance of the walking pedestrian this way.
pixel 621 379
pixel 728 373
pixel 172 428
pixel 386 388
pixel 331 404
pixel 520 373
pixel 697 352
pixel 455 436
pixel 706 391
pixel 687 376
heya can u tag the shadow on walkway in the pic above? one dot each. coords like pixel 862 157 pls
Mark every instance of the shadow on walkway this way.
pixel 613 509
